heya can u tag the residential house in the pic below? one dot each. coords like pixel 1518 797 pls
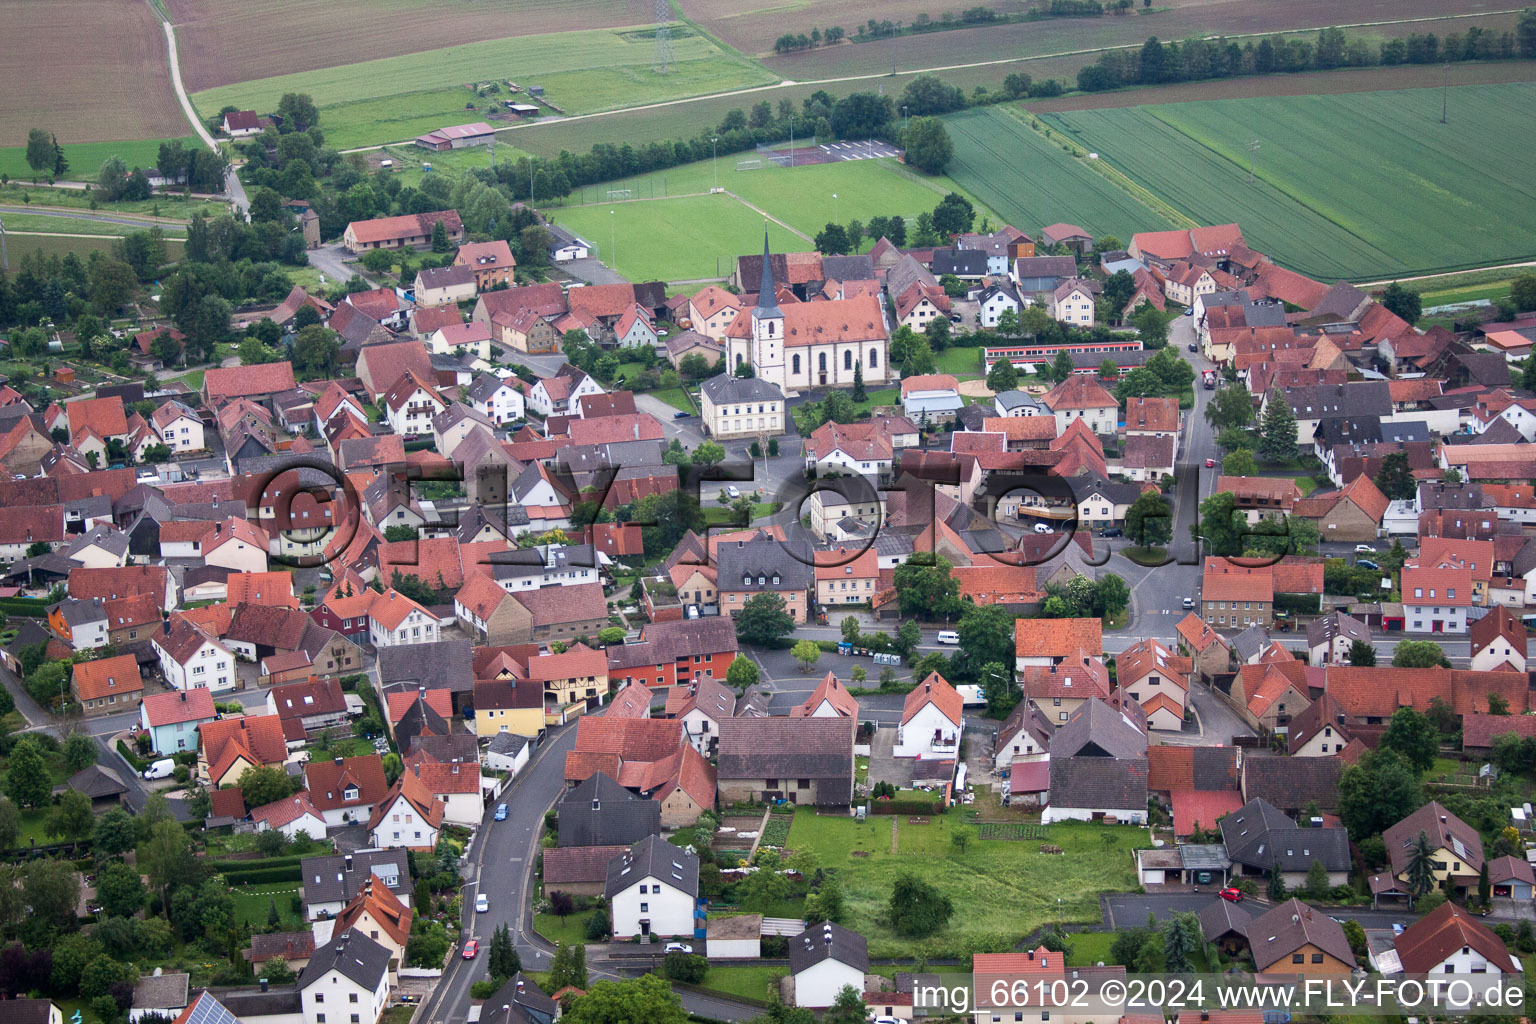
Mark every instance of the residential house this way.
pixel 230 746
pixel 310 705
pixel 668 653
pixel 1082 397
pixel 1456 848
pixel 492 262
pixel 171 719
pixel 1352 513
pixel 107 685
pixel 505 706
pixel 652 889
pixel 1158 679
pixel 1260 840
pixel 398 232
pixel 191 659
pixel 799 760
pixel 1048 642
pixel 1207 648
pixel 1292 784
pixel 932 398
pixel 349 973
pixel 559 395
pixel 1072 303
pixel 473 338
pixel 394 619
pixel 859 449
pixel 346 790
pixel 634 329
pixel 178 428
pixel 741 407
pixel 1330 637
pixel 442 286
pixel 1237 597
pixel 1147 458
pixel 746 569
pixel 410 405
pixel 711 310
pixel 829 700
pixel 1436 599
pixel 932 719
pixel 329 883
pixel 408 816
pixel 1098 765
pixel 1450 940
pixel 825 959
pixel 679 345
pixel 1498 642
pixel 291 815
pixel 1024 736
pixel 377 913
pixel 1322 729
pixel 1293 938
pixel 496 399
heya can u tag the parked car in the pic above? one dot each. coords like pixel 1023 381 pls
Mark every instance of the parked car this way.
pixel 1112 531
pixel 471 948
pixel 1232 894
pixel 1043 528
pixel 1194 346
pixel 679 947
pixel 681 414
pixel 733 492
pixel 1189 602
pixel 1366 563
pixel 161 769
pixel 1364 549
pixel 1189 311
pixel 948 636
pixel 482 903
pixel 501 812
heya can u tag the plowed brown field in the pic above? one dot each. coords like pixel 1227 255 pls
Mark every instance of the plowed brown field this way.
pixel 86 70
pixel 223 42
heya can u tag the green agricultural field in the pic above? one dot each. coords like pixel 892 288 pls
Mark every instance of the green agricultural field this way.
pixel 581 72
pixel 682 239
pixel 799 196
pixel 1032 181
pixel 18 245
pixel 1363 186
pixel 86 158
pixel 1002 889
pixel 410 160
pixel 79 226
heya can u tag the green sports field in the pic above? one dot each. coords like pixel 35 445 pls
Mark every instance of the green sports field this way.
pixel 681 239
pixel 1031 181
pixel 799 196
pixel 1361 186
pixel 580 71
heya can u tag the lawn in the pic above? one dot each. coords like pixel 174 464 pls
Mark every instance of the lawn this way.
pixel 581 71
pixel 674 239
pixel 963 361
pixel 750 982
pixel 677 398
pixel 410 162
pixel 18 245
pixel 1084 949
pixel 86 158
pixel 570 930
pixel 252 903
pixel 166 204
pixel 1363 187
pixel 720 515
pixel 799 196
pixel 1030 179
pixel 1002 890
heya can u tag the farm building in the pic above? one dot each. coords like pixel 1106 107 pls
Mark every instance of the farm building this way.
pixel 398 232
pixel 458 136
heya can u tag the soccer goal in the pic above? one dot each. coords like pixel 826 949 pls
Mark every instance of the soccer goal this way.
pixel 749 165
pixel 620 193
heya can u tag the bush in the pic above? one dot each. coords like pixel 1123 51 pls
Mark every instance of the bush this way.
pixel 686 967
pixel 139 764
pixel 775 946
pixel 597 926
pixel 261 876
pixel 485 989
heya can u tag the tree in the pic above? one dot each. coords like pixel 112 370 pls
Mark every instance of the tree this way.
pixel 848 1008
pixel 53 892
pixel 743 673
pixel 1404 302
pixel 10 825
pixel 502 959
pixel 1062 366
pixel 954 215
pixel 71 818
pixel 1419 654
pixel 1222 527
pixel 1277 434
pixel 27 781
pixel 119 890
pixel 1421 866
pixel 315 349
pixel 826 903
pixel 1229 407
pixel 1376 792
pixel 1362 654
pixel 1276 890
pixel 1316 886
pixel 807 653
pixel 1182 939
pixel 986 636
pixel 1395 477
pixel 440 241
pixel 1149 520
pixel 297 111
pixel 1003 376
pixel 166 856
pixel 961 837
pixel 859 393
pixel 1239 462
pixel 112 284
pixel 647 998
pixel 1522 290
pixel 763 620
pixel 264 784
pixel 79 751
pixel 916 909
pixel 927 145
pixel 1411 736
pixel 709 453
pixel 832 239
pixel 908 635
pixel 1151 325
pixel 1497 705
pixel 40 152
pixel 926 587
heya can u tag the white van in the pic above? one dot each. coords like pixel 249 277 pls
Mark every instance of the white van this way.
pixel 949 636
pixel 161 769
pixel 1043 528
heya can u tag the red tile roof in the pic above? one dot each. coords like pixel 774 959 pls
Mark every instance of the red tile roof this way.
pixel 1058 638
pixel 934 690
pixel 1428 942
pixel 184 706
pixel 327 780
pixel 829 691
pixel 223 383
pixel 94 680
pixel 104 417
pixel 1200 807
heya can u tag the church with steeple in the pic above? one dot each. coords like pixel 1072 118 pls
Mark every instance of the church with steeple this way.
pixel 816 344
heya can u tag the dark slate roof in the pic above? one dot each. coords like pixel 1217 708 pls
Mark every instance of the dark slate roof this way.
pixel 252 1002
pixel 724 387
pixel 97 782
pixel 1222 916
pixel 1098 730
pixel 600 812
pixel 1088 484
pixel 1099 782
pixel 351 954
pixel 28 1011
pixel 1250 642
pixel 1370 398
pixel 1293 782
pixel 790 748
pixel 1263 837
pixel 654 857
pixel 519 1001
pixel 1348 430
pixel 765 558
pixel 327 880
pixel 848 268
pixel 506 743
pixel 440 665
pixel 960 262
pixel 828 941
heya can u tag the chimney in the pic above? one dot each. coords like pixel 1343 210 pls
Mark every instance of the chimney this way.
pixel 520 984
pixel 337 762
pixel 1031 954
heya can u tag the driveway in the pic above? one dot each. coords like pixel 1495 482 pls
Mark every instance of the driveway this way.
pixel 1131 910
pixel 883 765
pixel 592 271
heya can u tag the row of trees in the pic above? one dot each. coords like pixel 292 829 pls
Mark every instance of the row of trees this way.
pixel 1197 59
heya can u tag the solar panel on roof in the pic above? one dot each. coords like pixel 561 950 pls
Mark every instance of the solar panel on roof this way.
pixel 208 1010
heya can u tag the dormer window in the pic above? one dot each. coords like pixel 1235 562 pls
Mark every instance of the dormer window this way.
pixel 746 581
pixel 776 581
pixel 350 793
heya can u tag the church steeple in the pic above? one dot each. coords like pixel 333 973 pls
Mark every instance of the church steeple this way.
pixel 767 294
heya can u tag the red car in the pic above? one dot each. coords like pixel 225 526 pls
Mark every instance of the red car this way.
pixel 1210 463
pixel 471 948
pixel 1234 895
